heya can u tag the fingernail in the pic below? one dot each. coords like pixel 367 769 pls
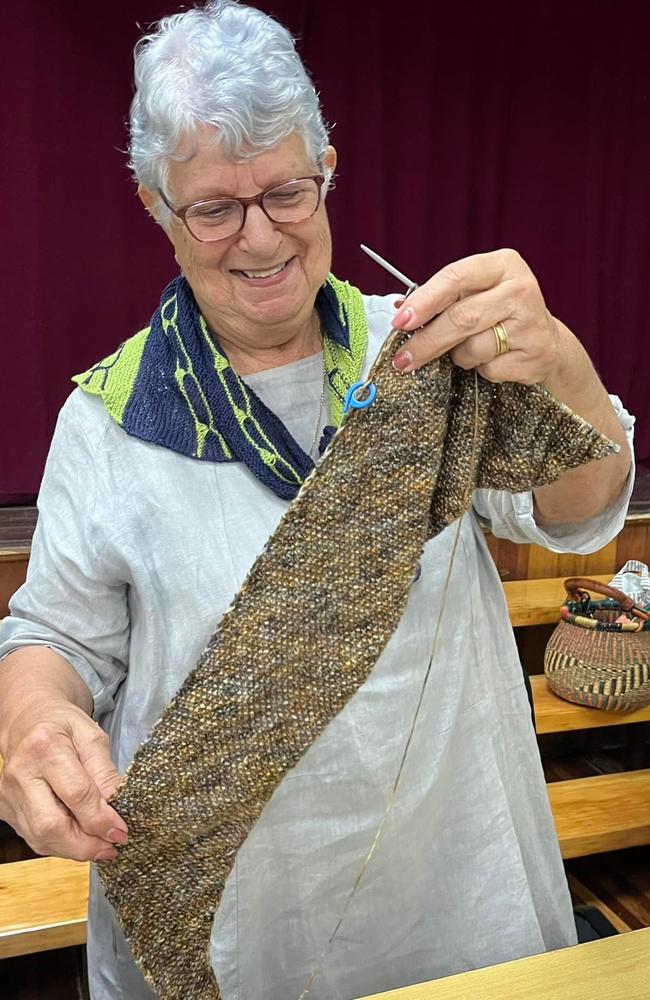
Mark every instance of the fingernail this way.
pixel 402 360
pixel 403 317
pixel 108 855
pixel 117 836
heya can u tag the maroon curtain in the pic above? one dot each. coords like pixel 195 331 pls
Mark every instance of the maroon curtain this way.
pixel 460 128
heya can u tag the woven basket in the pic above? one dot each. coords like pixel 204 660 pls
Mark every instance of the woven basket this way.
pixel 591 659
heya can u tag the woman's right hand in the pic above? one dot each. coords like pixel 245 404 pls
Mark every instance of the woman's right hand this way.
pixel 58 774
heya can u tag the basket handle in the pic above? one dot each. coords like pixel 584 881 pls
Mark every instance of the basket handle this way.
pixel 577 585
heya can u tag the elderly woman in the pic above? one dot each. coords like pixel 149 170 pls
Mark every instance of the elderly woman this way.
pixel 171 465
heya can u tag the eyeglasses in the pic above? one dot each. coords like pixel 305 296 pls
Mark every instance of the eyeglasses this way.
pixel 219 218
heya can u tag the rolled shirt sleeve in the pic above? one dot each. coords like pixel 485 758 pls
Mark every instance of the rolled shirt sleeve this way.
pixel 73 600
pixel 511 515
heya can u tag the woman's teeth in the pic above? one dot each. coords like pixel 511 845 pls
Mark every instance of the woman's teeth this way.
pixel 265 274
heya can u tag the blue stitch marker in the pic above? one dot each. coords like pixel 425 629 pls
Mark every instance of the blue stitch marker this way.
pixel 351 401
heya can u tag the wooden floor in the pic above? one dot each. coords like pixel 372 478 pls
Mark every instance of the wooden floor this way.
pixel 587 753
pixel 618 883
pixel 12 848
pixel 54 975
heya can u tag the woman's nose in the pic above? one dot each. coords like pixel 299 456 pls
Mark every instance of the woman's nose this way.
pixel 258 233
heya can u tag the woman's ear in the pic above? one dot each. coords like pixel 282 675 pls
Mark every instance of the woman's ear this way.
pixel 328 166
pixel 330 159
pixel 149 199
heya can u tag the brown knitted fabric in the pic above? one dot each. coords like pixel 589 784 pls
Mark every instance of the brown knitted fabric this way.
pixel 303 634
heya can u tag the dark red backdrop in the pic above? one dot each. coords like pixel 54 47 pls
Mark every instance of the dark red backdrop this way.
pixel 460 127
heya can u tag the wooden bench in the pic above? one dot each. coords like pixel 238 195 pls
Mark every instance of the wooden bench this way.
pixel 43 902
pixel 607 812
pixel 43 905
pixel 538 602
pixel 554 715
pixel 615 968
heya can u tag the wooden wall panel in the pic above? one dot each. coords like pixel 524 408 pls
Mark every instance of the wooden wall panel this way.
pixel 530 562
pixel 510 559
pixel 54 975
pixel 13 567
pixel 633 543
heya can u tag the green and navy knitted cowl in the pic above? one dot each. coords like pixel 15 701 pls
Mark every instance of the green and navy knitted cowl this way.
pixel 171 384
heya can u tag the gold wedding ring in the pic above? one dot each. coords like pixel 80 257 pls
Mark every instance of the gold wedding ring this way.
pixel 501 337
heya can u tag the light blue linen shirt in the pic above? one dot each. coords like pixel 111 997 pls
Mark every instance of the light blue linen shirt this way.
pixel 139 551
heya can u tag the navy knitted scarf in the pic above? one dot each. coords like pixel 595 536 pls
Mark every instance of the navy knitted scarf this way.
pixel 172 385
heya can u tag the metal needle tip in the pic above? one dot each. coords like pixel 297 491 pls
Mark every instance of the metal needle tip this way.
pixel 388 267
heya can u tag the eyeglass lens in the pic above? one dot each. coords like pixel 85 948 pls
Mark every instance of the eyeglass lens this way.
pixel 223 217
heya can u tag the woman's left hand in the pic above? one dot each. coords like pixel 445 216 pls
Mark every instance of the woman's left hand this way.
pixel 458 307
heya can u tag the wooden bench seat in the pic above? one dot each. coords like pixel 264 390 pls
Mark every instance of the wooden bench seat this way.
pixel 43 902
pixel 554 715
pixel 605 813
pixel 43 905
pixel 614 968
pixel 538 602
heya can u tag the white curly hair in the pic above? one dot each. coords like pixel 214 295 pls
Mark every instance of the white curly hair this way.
pixel 226 65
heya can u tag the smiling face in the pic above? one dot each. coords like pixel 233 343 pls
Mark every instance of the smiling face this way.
pixel 250 312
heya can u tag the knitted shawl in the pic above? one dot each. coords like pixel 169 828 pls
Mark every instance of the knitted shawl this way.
pixel 172 385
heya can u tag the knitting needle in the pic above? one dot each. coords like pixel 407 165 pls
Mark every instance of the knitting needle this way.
pixel 411 285
pixel 352 399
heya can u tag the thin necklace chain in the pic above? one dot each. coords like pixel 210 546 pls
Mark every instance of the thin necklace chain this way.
pixel 320 409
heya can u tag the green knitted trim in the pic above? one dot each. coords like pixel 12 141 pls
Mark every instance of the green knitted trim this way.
pixel 114 377
pixel 344 367
pixel 185 370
